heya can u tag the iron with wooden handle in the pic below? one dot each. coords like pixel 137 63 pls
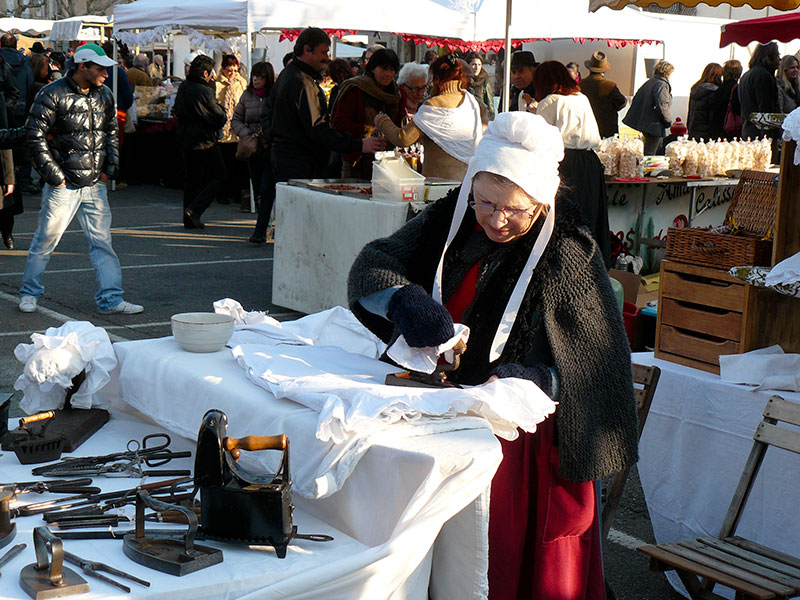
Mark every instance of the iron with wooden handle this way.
pixel 42 416
pixel 255 442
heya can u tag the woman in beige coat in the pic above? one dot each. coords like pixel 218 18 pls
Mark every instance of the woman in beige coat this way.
pixel 448 124
pixel 230 87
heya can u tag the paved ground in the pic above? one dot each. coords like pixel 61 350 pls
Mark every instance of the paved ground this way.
pixel 170 270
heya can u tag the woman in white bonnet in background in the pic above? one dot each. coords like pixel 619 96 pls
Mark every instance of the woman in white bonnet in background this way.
pixel 507 255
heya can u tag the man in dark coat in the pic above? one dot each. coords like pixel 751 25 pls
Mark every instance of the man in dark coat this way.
pixel 300 130
pixel 758 88
pixel 523 66
pixel 603 94
pixel 200 121
pixel 72 133
pixel 11 198
pixel 650 108
pixel 23 81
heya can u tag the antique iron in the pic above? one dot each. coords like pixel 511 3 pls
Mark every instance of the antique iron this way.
pixel 176 555
pixel 48 577
pixel 8 530
pixel 237 505
pixel 437 379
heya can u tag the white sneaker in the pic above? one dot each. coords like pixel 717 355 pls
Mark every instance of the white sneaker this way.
pixel 124 308
pixel 27 304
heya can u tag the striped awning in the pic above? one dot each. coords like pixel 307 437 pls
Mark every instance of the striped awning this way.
pixel 756 4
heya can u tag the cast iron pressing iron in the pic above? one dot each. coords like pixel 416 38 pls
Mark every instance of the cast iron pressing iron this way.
pixel 237 505
pixel 8 530
pixel 166 552
pixel 50 578
pixel 44 436
pixel 437 379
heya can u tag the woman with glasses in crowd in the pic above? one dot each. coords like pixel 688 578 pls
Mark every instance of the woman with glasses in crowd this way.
pixel 413 82
pixel 507 255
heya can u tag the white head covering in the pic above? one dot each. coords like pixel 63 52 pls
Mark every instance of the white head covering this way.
pixel 523 148
pixel 190 57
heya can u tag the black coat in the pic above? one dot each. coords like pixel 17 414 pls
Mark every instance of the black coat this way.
pixel 606 101
pixel 650 107
pixel 200 116
pixel 72 136
pixel 699 121
pixel 758 92
pixel 718 106
pixel 299 123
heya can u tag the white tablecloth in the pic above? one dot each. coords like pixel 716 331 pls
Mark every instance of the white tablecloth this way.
pixel 317 238
pixel 392 506
pixel 697 437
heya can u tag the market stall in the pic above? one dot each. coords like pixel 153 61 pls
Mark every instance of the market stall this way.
pixel 84 28
pixel 18 26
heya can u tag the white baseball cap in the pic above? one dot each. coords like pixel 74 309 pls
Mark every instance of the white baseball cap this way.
pixel 94 54
pixel 188 60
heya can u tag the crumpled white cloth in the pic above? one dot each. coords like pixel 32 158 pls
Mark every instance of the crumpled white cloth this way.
pixel 457 131
pixel 766 368
pixel 791 131
pixel 229 306
pixel 336 326
pixel 424 360
pixel 348 392
pixel 58 355
pixel 786 272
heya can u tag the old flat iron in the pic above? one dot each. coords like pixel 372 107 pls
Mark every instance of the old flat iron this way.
pixel 237 505
pixel 8 530
pixel 167 552
pixel 437 379
pixel 48 577
pixel 44 436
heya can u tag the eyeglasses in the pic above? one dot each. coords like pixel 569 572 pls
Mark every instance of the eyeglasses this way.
pixel 417 90
pixel 487 209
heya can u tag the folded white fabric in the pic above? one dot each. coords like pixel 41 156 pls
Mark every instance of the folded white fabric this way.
pixel 348 392
pixel 424 360
pixel 767 368
pixel 229 306
pixel 785 272
pixel 58 355
pixel 336 326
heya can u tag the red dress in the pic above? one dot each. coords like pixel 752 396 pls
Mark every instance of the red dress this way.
pixel 544 533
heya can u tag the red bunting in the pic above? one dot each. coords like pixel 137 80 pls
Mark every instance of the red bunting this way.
pixel 292 34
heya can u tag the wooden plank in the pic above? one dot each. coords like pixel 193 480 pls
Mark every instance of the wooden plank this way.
pixel 613 495
pixel 770 318
pixel 686 361
pixel 642 374
pixel 764 550
pixel 697 558
pixel 718 274
pixel 705 291
pixel 680 563
pixel 720 323
pixel 787 218
pixel 720 554
pixel 778 436
pixel 782 410
pixel 684 343
pixel 754 557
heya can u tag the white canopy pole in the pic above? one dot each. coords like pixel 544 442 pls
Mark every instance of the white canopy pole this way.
pixel 249 60
pixel 507 65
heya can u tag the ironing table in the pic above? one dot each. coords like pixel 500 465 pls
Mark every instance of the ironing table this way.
pixel 408 518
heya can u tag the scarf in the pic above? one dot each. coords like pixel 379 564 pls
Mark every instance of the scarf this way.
pixel 457 131
pixel 389 97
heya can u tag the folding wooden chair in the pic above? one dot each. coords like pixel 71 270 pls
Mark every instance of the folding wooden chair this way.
pixel 752 570
pixel 645 380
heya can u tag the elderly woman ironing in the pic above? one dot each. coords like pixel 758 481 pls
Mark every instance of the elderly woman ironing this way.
pixel 507 256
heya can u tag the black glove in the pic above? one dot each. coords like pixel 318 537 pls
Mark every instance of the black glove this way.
pixel 421 320
pixel 538 374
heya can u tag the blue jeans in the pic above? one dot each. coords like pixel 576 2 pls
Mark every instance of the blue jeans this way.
pixel 59 206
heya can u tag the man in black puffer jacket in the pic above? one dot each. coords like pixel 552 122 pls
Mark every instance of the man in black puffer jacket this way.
pixel 72 138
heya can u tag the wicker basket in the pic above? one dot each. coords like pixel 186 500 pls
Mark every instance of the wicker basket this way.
pixel 752 210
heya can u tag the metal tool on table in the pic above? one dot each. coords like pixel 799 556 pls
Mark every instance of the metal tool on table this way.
pixel 122 464
pixel 93 568
pixel 44 436
pixel 437 379
pixel 11 554
pixel 176 555
pixel 48 577
pixel 8 530
pixel 237 505
pixel 54 486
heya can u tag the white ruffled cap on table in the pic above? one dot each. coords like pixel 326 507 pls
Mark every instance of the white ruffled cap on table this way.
pixel 525 149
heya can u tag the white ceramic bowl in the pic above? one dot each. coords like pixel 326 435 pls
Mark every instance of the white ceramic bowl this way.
pixel 202 331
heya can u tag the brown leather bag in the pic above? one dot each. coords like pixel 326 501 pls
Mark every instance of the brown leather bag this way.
pixel 250 146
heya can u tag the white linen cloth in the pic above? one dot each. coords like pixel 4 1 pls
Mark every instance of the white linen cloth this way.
pixel 58 355
pixel 791 131
pixel 766 368
pixel 457 131
pixel 786 272
pixel 229 306
pixel 526 150
pixel 425 360
pixel 573 117
pixel 348 392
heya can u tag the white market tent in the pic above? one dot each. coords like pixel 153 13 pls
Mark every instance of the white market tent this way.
pixel 83 28
pixel 25 26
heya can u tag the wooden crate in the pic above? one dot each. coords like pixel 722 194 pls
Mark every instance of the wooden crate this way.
pixel 704 312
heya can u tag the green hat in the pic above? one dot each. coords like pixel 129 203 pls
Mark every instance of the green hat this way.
pixel 94 54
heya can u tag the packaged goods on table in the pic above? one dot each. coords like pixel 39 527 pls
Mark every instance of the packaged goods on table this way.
pixel 689 158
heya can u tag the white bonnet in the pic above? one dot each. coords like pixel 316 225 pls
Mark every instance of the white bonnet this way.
pixel 524 148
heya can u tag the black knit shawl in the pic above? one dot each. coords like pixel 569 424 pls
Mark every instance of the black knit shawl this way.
pixel 568 319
